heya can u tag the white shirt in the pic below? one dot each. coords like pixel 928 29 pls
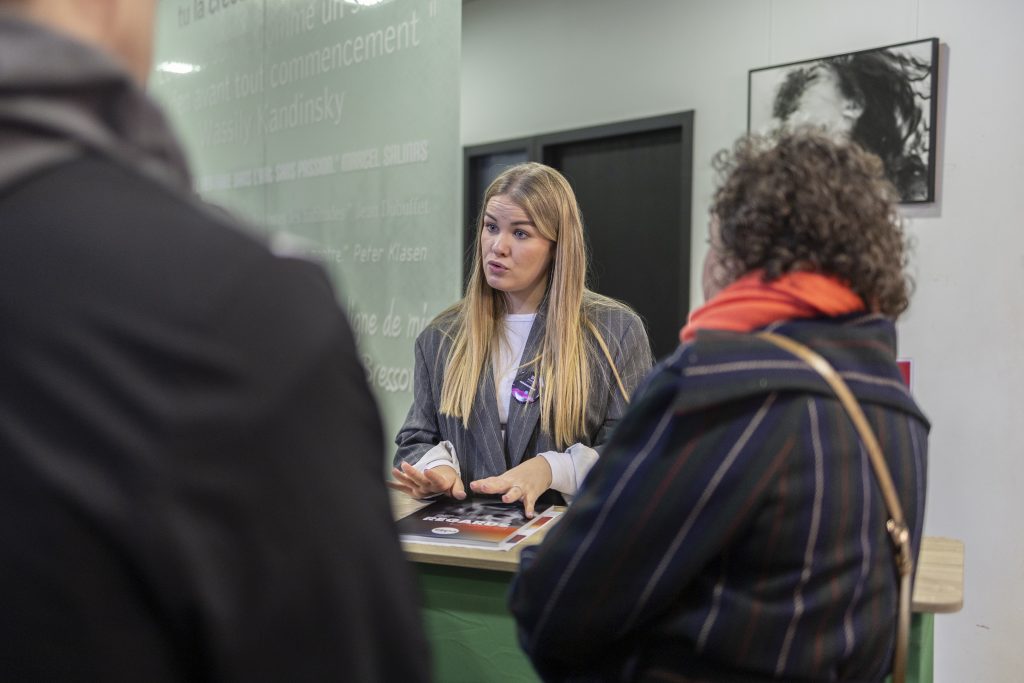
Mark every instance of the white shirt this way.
pixel 508 356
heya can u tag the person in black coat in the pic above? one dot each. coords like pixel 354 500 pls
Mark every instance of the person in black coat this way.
pixel 190 456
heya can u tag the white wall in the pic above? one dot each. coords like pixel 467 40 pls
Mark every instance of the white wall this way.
pixel 536 66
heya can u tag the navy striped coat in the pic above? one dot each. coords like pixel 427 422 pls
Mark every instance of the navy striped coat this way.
pixel 733 528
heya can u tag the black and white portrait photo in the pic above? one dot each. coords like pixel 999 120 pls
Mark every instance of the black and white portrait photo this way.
pixel 883 98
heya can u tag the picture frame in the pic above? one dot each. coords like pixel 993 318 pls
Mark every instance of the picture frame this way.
pixel 884 98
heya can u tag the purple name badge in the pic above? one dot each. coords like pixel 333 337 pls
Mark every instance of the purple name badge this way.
pixel 524 389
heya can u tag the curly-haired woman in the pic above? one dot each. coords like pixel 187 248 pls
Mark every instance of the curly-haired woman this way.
pixel 733 529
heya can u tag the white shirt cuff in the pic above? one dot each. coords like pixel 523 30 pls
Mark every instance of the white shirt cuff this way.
pixel 441 454
pixel 569 469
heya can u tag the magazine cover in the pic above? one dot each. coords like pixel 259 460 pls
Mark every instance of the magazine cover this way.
pixel 477 521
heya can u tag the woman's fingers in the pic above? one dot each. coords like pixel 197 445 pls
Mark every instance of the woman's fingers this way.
pixel 491 485
pixel 415 483
pixel 447 480
pixel 438 479
pixel 406 480
pixel 510 491
pixel 414 475
pixel 458 491
pixel 399 487
pixel 442 479
pixel 400 478
pixel 529 500
pixel 524 482
pixel 513 493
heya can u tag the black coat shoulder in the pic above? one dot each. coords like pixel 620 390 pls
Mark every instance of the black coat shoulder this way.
pixel 191 450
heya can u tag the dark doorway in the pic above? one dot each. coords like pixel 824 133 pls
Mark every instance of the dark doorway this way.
pixel 632 180
pixel 482 167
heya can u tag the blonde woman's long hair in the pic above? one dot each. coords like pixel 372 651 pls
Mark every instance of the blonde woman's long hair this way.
pixel 563 363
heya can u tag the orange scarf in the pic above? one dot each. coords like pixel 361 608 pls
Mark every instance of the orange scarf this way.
pixel 749 304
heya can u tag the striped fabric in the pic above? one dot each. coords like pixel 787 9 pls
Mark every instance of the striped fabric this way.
pixel 733 528
pixel 481 449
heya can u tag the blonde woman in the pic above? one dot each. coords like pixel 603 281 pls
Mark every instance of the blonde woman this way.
pixel 529 362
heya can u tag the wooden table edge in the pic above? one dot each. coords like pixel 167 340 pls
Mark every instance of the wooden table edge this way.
pixel 938 586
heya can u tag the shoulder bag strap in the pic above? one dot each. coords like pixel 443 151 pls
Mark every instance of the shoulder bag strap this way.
pixel 896 524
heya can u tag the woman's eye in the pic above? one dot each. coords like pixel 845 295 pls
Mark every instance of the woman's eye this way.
pixel 521 234
pixel 490 227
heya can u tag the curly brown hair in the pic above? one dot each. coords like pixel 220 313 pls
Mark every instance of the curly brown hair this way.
pixel 806 201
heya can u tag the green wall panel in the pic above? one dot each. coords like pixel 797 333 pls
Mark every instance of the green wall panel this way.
pixel 334 126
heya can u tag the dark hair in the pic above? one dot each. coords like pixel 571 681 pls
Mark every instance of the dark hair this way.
pixel 881 83
pixel 806 201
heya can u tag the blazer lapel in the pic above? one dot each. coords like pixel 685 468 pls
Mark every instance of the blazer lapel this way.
pixel 485 426
pixel 523 417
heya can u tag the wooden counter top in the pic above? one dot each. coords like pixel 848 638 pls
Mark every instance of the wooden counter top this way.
pixel 938 586
pixel 939 583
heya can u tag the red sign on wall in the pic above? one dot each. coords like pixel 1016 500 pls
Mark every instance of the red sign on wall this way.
pixel 904 366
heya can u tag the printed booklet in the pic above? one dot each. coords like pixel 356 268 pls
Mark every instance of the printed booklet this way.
pixel 478 521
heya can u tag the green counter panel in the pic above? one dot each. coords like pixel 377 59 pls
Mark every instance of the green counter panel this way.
pixel 473 637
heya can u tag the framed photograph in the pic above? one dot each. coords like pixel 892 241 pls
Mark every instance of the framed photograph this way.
pixel 884 99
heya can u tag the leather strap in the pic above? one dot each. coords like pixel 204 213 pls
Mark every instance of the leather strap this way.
pixel 896 525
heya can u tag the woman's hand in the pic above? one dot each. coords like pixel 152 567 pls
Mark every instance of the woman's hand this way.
pixel 526 482
pixel 440 479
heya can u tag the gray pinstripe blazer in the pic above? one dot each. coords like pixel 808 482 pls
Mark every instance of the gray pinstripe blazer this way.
pixel 481 450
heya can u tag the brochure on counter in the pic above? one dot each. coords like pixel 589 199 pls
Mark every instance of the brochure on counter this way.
pixel 476 522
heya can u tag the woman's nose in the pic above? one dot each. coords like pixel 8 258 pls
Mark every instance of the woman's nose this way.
pixel 499 245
